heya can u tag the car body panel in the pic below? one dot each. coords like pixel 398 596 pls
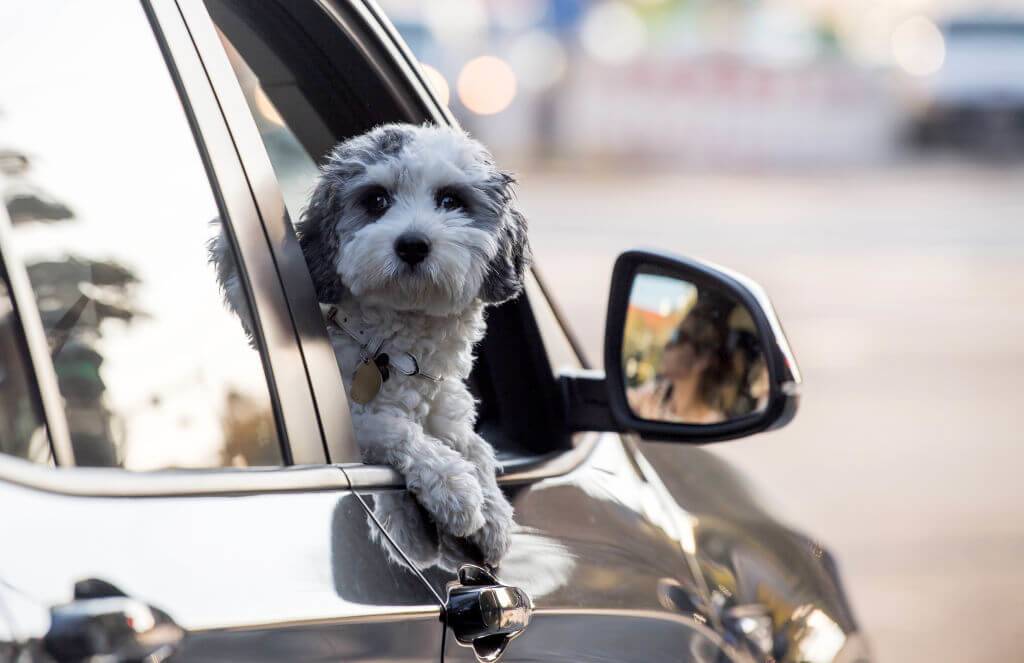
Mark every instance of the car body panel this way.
pixel 595 549
pixel 661 540
pixel 275 576
pixel 751 563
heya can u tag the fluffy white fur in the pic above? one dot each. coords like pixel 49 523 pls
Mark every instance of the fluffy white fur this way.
pixel 433 310
pixel 442 186
pixel 424 429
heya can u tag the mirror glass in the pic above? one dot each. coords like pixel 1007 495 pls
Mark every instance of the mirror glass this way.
pixel 691 353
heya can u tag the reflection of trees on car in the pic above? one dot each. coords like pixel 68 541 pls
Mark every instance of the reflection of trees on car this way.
pixel 75 296
pixel 21 430
pixel 24 200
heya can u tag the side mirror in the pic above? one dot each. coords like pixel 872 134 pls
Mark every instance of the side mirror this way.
pixel 693 353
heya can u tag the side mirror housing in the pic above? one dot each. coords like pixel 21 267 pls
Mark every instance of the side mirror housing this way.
pixel 693 353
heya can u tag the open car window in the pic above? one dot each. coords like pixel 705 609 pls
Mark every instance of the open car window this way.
pixel 308 86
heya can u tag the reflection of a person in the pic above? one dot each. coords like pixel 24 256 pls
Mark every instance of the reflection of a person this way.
pixel 689 376
pixel 760 387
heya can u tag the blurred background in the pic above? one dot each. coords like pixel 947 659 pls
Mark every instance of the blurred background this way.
pixel 862 159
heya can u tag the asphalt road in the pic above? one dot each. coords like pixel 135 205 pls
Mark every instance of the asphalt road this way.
pixel 901 290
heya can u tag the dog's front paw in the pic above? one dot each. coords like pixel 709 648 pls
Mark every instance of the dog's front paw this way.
pixel 455 499
pixel 467 498
pixel 495 537
pixel 401 516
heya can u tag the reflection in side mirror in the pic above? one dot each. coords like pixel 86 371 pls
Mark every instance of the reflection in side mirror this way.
pixel 693 353
pixel 690 353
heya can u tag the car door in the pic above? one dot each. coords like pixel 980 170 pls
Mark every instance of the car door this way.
pixel 603 551
pixel 149 446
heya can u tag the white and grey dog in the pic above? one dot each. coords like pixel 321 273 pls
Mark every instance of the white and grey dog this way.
pixel 410 232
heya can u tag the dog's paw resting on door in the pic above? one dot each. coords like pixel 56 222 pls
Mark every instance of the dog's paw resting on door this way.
pixel 410 233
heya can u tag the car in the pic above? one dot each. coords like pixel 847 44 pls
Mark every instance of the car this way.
pixel 976 98
pixel 173 490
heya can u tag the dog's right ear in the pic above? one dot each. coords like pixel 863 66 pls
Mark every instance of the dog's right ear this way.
pixel 506 272
pixel 319 240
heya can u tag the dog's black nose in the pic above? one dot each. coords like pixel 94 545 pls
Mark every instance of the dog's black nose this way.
pixel 412 248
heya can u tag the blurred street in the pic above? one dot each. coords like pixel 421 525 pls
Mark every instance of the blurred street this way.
pixel 899 288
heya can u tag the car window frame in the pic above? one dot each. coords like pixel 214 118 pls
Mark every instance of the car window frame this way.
pixel 317 356
pixel 298 431
pixel 366 26
pixel 295 413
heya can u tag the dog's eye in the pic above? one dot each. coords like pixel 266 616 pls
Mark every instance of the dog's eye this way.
pixel 376 200
pixel 449 200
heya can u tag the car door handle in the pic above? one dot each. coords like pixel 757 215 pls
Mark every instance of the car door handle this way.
pixel 752 623
pixel 485 614
pixel 101 623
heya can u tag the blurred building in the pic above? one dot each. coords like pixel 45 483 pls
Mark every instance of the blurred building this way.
pixel 735 83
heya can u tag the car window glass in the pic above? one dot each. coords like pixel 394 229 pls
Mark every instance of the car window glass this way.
pixel 112 211
pixel 295 169
pixel 22 433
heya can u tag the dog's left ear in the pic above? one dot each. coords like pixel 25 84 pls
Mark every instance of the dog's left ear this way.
pixel 318 238
pixel 505 273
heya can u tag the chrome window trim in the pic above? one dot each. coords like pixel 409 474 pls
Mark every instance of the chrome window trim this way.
pixel 359 614
pixel 302 441
pixel 392 41
pixel 524 469
pixel 115 482
pixel 563 354
pixel 40 363
pixel 575 356
pixel 422 104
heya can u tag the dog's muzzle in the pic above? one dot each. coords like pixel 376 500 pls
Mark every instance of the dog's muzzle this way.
pixel 412 248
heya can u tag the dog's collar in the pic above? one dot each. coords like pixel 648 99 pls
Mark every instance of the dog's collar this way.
pixel 370 346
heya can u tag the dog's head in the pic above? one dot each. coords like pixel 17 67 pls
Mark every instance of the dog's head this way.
pixel 414 218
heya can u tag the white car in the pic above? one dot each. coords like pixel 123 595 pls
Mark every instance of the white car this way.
pixel 977 97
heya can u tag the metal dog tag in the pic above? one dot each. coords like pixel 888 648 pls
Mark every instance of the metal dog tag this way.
pixel 366 382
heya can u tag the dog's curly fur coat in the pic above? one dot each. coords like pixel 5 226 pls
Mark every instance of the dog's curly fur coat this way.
pixel 444 187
